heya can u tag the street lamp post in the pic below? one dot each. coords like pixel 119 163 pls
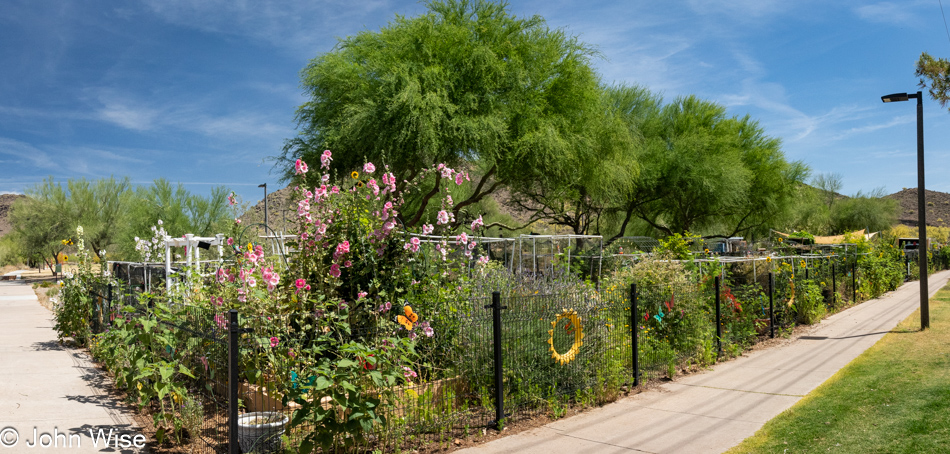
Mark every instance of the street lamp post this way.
pixel 265 206
pixel 922 245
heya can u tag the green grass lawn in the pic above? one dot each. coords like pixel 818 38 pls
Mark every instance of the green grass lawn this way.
pixel 894 398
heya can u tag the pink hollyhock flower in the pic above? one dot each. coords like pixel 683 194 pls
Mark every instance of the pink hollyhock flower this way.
pixel 237 221
pixel 458 179
pixel 343 248
pixel 483 260
pixel 462 238
pixel 242 297
pixel 251 281
pixel 300 283
pixel 471 245
pixel 373 186
pixel 325 158
pixel 409 373
pixel 274 342
pixel 220 321
pixel 230 241
pixel 335 270
pixel 369 167
pixel 427 229
pixel 361 295
pixel 301 167
pixel 347 264
pixel 478 223
pixel 442 217
pixel 231 200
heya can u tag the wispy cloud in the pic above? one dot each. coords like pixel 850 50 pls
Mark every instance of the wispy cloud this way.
pixel 23 152
pixel 890 13
pixel 127 115
pixel 900 120
pixel 741 9
pixel 299 25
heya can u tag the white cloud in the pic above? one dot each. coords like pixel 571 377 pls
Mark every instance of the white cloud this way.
pixel 301 25
pixel 742 9
pixel 889 13
pixel 126 115
pixel 25 152
pixel 900 120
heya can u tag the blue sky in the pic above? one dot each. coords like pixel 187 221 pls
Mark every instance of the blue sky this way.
pixel 203 92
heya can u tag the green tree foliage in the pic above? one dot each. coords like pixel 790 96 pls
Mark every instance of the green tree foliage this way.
pixel 821 210
pixel 466 84
pixel 40 222
pixel 864 211
pixel 111 213
pixel 706 172
pixel 934 74
pixel 180 212
pixel 607 167
pixel 99 207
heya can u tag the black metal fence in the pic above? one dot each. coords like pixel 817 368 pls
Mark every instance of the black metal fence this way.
pixel 500 359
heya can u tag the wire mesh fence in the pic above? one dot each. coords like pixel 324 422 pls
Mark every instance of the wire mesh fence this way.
pixel 249 383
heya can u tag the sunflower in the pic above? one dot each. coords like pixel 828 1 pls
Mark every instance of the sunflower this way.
pixel 354 175
pixel 359 184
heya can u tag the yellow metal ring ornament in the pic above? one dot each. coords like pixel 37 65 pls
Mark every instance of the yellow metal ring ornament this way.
pixel 575 322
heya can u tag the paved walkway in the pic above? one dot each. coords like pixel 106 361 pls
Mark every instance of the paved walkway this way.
pixel 714 411
pixel 48 388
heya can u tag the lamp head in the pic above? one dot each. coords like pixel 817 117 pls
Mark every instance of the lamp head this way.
pixel 265 184
pixel 894 97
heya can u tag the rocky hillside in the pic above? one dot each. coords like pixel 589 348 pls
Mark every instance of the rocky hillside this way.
pixel 938 207
pixel 6 203
pixel 281 212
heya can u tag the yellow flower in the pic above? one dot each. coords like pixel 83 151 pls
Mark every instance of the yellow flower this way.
pixel 355 175
pixel 250 247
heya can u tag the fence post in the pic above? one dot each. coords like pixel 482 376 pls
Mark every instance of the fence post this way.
pixel 499 372
pixel 854 280
pixel 96 309
pixel 718 319
pixel 634 320
pixel 771 305
pixel 234 333
pixel 834 286
pixel 110 306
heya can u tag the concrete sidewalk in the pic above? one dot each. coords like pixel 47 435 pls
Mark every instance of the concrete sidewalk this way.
pixel 713 411
pixel 49 389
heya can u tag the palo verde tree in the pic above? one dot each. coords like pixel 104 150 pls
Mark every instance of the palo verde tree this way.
pixel 467 84
pixel 607 164
pixel 706 172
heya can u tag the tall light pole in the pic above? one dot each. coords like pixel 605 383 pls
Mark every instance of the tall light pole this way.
pixel 265 206
pixel 922 245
